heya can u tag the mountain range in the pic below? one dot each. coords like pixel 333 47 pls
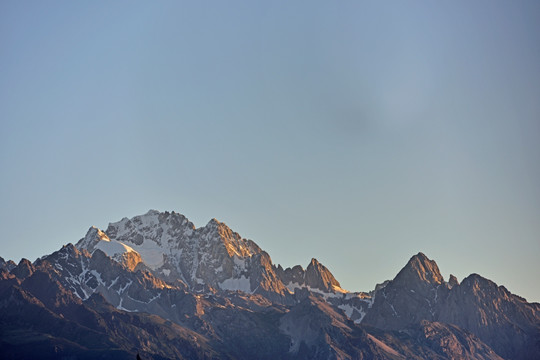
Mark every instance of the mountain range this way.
pixel 157 286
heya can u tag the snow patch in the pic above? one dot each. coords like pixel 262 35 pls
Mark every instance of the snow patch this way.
pixel 239 262
pixel 120 307
pixel 121 290
pixel 291 286
pixel 151 254
pixel 97 276
pixel 113 249
pixel 394 310
pixel 113 283
pixel 349 310
pixel 339 292
pixel 241 284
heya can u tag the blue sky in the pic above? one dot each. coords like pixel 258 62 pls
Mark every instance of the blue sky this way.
pixel 359 133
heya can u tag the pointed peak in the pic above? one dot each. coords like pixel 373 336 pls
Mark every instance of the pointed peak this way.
pixel 24 269
pixel 214 222
pixel 24 262
pixel 69 247
pixel 93 236
pixel 221 227
pixel 94 231
pixel 315 265
pixel 419 257
pixel 453 281
pixel 319 277
pixel 420 267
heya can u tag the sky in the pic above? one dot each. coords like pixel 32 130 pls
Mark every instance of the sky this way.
pixel 359 133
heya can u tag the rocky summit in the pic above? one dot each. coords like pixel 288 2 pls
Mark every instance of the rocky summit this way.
pixel 157 287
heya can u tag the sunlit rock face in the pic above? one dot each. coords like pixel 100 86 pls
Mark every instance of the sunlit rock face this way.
pixel 420 271
pixel 172 248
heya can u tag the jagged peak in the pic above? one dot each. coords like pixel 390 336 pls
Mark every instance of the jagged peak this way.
pixel 154 218
pixel 420 257
pixel 151 217
pixel 234 243
pixel 214 222
pixel 24 269
pixel 295 268
pixel 150 226
pixel 93 236
pixel 7 264
pixel 221 227
pixel 24 262
pixel 315 276
pixel 65 252
pixel 453 281
pixel 316 264
pixel 68 248
pixel 318 276
pixel 93 231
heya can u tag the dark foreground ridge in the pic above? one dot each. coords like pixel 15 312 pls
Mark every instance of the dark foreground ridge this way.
pixel 156 287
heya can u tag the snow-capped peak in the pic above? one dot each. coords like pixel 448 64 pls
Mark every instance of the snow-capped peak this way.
pixel 97 239
pixel 170 245
pixel 92 237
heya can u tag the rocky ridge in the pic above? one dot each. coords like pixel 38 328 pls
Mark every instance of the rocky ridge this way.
pixel 211 284
pixel 419 293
